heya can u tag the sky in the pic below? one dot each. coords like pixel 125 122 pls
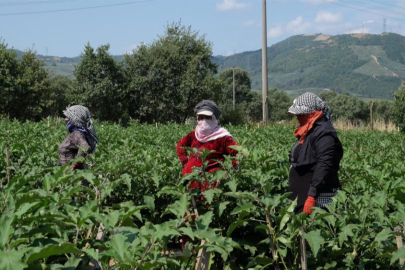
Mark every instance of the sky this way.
pixel 63 27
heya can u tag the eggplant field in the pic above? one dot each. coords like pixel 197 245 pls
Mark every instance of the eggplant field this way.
pixel 133 213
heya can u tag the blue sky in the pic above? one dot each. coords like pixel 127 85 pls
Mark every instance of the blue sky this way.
pixel 233 26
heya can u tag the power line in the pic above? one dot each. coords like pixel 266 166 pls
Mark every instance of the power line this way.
pixel 73 9
pixel 387 4
pixel 353 2
pixel 363 10
pixel 9 4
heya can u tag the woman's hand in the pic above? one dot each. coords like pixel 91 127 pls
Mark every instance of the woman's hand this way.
pixel 310 202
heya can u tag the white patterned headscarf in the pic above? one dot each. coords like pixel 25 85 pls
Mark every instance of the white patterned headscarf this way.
pixel 81 117
pixel 307 103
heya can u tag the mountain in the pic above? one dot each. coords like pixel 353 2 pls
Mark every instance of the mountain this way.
pixel 366 65
pixel 62 65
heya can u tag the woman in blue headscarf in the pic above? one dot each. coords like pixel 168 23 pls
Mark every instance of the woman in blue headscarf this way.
pixel 82 139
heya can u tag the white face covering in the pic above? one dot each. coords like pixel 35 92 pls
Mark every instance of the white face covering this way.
pixel 207 127
pixel 208 130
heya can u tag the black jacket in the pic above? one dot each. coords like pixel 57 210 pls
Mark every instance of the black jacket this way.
pixel 319 155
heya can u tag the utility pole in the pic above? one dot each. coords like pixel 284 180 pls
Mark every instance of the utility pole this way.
pixel 264 64
pixel 384 25
pixel 233 81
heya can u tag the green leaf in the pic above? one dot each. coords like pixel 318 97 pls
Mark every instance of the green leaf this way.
pixel 150 202
pixel 346 231
pixel 315 240
pixel 11 260
pixel 399 254
pixel 232 185
pixel 52 249
pixel 243 207
pixel 218 249
pixel 187 231
pixel 284 220
pixel 179 207
pixel 209 194
pixel 383 236
pixel 6 230
pixel 222 207
pixel 233 226
pixel 71 264
pixel 92 253
pixel 119 248
pixel 204 221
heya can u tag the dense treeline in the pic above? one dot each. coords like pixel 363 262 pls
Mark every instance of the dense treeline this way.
pixel 160 82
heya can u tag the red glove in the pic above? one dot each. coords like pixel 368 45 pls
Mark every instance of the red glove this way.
pixel 310 202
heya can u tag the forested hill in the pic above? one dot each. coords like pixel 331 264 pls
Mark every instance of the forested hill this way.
pixel 370 66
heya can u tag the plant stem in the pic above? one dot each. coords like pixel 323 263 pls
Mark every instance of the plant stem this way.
pixel 271 238
pixel 147 250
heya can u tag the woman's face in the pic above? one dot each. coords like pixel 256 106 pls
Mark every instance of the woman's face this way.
pixel 202 117
pixel 66 118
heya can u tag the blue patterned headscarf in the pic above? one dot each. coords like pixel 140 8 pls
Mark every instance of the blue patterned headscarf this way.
pixel 81 120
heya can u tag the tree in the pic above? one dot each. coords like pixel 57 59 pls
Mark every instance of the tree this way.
pixel 349 108
pixel 33 88
pixel 243 96
pixel 99 84
pixel 242 86
pixel 59 87
pixel 279 102
pixel 399 111
pixel 9 73
pixel 384 109
pixel 169 77
pixel 24 85
pixel 326 96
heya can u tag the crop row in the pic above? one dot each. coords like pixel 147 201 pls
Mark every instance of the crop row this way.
pixel 132 214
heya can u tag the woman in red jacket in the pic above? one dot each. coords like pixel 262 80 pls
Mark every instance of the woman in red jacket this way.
pixel 207 135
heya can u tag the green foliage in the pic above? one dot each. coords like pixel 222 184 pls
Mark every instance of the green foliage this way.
pixel 278 104
pixel 167 78
pixel 385 110
pixel 99 84
pixel 24 84
pixel 9 73
pixel 320 61
pixel 349 108
pixel 46 214
pixel 399 110
pixel 242 86
pixel 59 87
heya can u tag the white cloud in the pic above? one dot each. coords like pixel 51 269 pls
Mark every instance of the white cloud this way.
pixel 294 27
pixel 297 26
pixel 359 31
pixel 318 2
pixel 327 17
pixel 249 23
pixel 130 49
pixel 369 21
pixel 232 5
pixel 229 53
pixel 275 31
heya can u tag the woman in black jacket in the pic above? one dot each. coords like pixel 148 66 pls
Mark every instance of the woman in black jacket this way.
pixel 315 156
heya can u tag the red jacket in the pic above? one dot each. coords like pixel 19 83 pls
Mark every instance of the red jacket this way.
pixel 220 146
